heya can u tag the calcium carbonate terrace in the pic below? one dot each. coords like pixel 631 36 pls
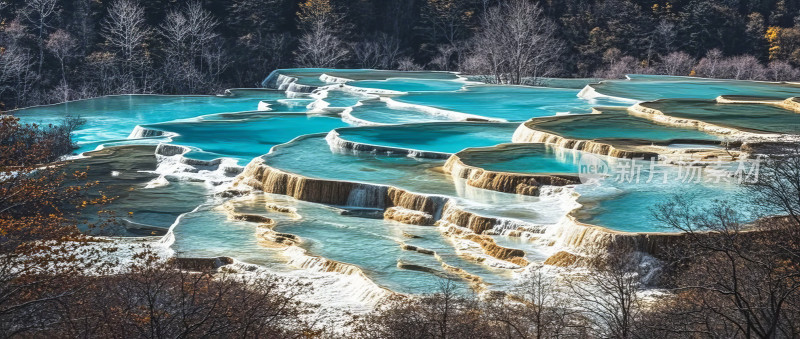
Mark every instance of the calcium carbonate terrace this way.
pixel 390 181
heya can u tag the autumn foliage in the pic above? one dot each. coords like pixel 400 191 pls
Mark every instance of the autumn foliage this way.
pixel 57 282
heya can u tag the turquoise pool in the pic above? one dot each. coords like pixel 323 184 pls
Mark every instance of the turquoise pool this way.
pixel 522 158
pixel 114 117
pixel 653 87
pixel 753 117
pixel 511 103
pixel 618 124
pixel 243 139
pixel 378 112
pixel 411 84
pixel 446 137
pixel 295 128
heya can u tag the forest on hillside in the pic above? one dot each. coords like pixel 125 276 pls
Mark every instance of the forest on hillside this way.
pixel 58 50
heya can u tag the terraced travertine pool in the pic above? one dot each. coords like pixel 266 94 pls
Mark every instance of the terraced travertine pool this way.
pixel 747 117
pixel 115 117
pixel 522 158
pixel 509 103
pixel 654 87
pixel 431 137
pixel 376 112
pixel 352 163
pixel 411 85
pixel 618 124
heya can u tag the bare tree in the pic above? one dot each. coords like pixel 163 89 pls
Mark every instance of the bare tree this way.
pixel 318 47
pixel 737 277
pixel 743 67
pixel 677 63
pixel 408 64
pixel 444 57
pixel 610 295
pixel 390 50
pixel 380 51
pixel 125 30
pixel 536 308
pixel 62 45
pixel 781 71
pixel 39 13
pixel 366 53
pixel 517 40
pixel 192 61
pixel 709 65
pixel 16 72
pixel 445 314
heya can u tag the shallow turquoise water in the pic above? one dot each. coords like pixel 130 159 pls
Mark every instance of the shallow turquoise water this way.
pixel 410 85
pixel 326 232
pixel 231 127
pixel 522 158
pixel 512 103
pixel 653 87
pixel 743 116
pixel 343 98
pixel 244 139
pixel 621 203
pixel 311 156
pixel 620 125
pixel 114 117
pixel 377 112
pixel 447 137
pixel 576 83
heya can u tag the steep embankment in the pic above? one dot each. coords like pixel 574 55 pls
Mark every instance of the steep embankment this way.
pixel 519 183
pixel 286 83
pixel 528 133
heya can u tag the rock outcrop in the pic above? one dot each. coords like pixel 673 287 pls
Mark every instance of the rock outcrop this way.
pixel 562 259
pixel 512 255
pixel 408 216
pixel 792 104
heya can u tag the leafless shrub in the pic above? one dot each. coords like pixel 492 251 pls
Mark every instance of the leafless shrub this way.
pixel 380 52
pixel 738 278
pixel 609 295
pixel 318 47
pixel 408 64
pixel 676 63
pixel 781 71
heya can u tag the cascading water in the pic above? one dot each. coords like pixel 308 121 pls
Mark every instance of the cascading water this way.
pixel 419 189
